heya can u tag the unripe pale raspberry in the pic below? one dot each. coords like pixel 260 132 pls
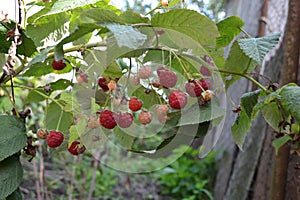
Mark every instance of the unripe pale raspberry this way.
pixel 167 78
pixel 112 85
pixel 42 134
pixel 82 78
pixel 135 80
pixel 162 109
pixel 164 3
pixel 92 122
pixel 124 120
pixel 145 72
pixel 145 117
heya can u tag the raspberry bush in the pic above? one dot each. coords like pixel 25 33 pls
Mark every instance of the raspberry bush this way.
pixel 142 75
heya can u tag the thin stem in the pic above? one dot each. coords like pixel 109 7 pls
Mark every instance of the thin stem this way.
pixel 38 92
pixel 11 101
pixel 247 34
pixel 12 90
pixel 245 76
pixel 182 65
pixel 95 167
pixel 78 48
pixel 248 65
pixel 51 55
pixel 59 119
pixel 158 6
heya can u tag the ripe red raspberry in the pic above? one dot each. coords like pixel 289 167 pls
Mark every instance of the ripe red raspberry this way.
pixel 162 111
pixel 124 120
pixel 166 77
pixel 177 99
pixel 75 148
pixel 58 65
pixel 195 87
pixel 107 119
pixel 145 117
pixel 145 72
pixel 102 82
pixel 55 139
pixel 135 104
pixel 205 83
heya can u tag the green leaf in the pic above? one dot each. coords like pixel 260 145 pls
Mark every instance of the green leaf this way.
pixel 197 114
pixel 16 195
pixel 39 57
pixel 188 22
pixel 2 59
pixel 41 32
pixel 265 101
pixel 12 137
pixel 240 129
pixel 35 96
pixel 202 128
pixel 11 173
pixel 173 3
pixel 79 31
pixel 58 52
pixel 123 138
pixel 249 100
pixel 113 71
pixel 76 131
pixel 156 56
pixel 149 99
pixel 65 5
pixel 257 48
pixel 290 100
pixel 57 119
pixel 60 84
pixel 38 94
pixel 272 115
pixel 229 28
pixel 101 97
pixel 131 17
pixel 4 44
pixel 237 61
pixel 127 36
pixel 279 142
pixel 102 16
pixel 165 142
pixel 27 46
